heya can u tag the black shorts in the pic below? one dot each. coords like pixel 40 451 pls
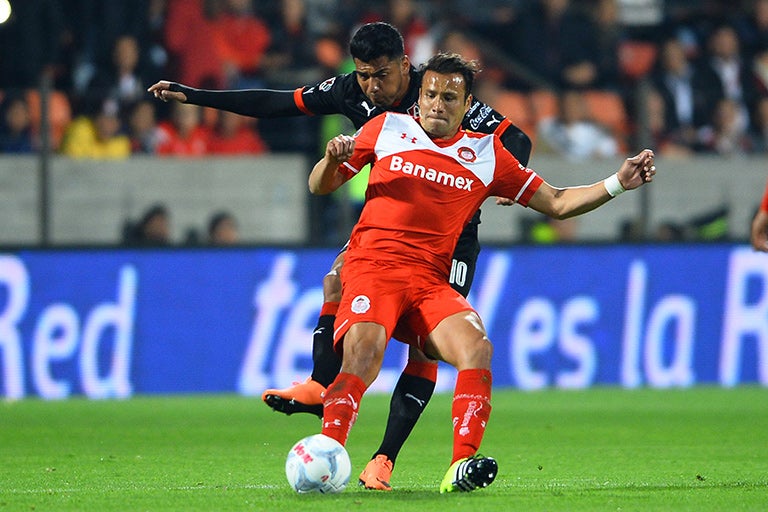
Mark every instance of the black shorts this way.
pixel 465 257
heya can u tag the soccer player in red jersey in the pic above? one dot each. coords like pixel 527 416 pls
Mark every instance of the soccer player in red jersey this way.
pixel 759 235
pixel 428 177
pixel 383 81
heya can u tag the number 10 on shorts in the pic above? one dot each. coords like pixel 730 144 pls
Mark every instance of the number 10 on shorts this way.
pixel 458 273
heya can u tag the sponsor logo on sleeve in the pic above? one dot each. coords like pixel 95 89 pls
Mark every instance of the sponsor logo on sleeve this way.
pixel 326 85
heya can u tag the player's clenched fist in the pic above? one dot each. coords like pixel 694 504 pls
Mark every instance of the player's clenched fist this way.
pixel 637 170
pixel 340 148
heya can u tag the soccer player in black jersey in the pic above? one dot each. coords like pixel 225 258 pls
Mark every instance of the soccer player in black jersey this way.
pixel 383 80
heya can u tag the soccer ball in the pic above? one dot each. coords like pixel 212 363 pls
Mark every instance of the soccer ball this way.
pixel 318 463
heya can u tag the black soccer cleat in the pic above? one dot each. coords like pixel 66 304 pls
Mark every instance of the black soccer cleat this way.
pixel 466 475
pixel 280 404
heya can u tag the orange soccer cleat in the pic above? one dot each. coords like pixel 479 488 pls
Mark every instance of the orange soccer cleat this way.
pixel 377 474
pixel 304 396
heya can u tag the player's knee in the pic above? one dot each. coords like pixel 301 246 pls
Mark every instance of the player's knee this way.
pixel 478 353
pixel 485 352
pixel 332 287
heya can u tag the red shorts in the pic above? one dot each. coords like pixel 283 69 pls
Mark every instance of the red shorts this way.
pixel 407 301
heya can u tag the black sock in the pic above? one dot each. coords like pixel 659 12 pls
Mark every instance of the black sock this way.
pixel 325 361
pixel 409 398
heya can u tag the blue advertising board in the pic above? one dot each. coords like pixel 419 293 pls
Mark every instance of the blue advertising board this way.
pixel 111 323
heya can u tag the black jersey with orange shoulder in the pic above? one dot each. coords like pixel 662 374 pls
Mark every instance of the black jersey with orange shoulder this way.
pixel 343 95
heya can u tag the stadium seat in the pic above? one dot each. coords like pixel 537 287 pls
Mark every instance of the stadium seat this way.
pixel 59 110
pixel 516 106
pixel 636 58
pixel 545 104
pixel 608 109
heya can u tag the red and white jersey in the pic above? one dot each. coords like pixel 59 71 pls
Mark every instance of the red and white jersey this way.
pixel 421 192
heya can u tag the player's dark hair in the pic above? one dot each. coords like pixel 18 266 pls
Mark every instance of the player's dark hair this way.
pixel 450 63
pixel 374 40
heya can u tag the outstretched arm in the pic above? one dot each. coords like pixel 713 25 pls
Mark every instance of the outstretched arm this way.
pixel 759 235
pixel 325 176
pixel 263 103
pixel 562 203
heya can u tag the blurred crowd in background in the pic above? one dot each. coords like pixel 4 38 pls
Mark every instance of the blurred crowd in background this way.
pixel 584 78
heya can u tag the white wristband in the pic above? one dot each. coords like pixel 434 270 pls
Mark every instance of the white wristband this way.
pixel 613 185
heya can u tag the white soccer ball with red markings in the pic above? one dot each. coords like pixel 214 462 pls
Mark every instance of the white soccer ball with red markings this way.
pixel 318 463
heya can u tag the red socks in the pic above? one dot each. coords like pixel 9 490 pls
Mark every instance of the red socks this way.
pixel 329 308
pixel 421 369
pixel 340 406
pixel 470 411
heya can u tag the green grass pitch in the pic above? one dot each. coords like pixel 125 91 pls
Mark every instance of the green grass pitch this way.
pixel 602 449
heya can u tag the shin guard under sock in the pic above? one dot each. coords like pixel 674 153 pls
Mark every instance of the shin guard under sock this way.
pixel 340 406
pixel 470 411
